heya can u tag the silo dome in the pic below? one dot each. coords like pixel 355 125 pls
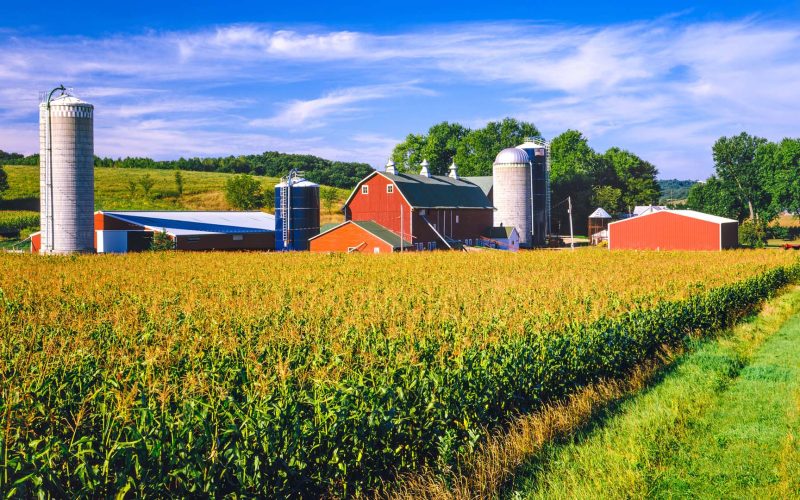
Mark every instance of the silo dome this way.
pixel 511 156
pixel 512 193
pixel 66 136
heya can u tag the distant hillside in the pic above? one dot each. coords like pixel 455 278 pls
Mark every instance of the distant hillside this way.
pixel 674 189
pixel 201 190
pixel 269 164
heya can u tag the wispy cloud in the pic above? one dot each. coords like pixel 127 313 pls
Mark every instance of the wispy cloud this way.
pixel 312 113
pixel 664 88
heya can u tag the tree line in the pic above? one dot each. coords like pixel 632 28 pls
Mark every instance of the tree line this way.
pixel 270 163
pixel 616 180
pixel 754 181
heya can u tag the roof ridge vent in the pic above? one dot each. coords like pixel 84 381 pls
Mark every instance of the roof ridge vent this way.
pixel 390 168
pixel 424 170
pixel 454 170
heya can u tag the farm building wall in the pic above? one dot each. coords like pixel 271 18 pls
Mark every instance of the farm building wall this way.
pixel 379 206
pixel 664 231
pixel 238 241
pixel 383 207
pixel 346 236
pixel 730 235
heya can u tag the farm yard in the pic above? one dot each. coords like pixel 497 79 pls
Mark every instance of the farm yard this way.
pixel 279 374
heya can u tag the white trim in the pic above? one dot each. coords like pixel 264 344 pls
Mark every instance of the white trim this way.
pixel 365 189
pixel 390 188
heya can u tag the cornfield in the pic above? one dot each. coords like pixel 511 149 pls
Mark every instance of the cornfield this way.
pixel 267 374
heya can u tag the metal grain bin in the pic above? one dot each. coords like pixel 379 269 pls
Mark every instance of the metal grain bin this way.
pixel 296 213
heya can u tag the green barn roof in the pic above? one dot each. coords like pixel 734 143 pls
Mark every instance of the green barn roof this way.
pixel 439 191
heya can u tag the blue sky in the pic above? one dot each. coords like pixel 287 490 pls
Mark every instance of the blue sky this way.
pixel 662 79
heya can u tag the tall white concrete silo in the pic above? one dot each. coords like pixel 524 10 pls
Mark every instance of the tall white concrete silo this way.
pixel 511 190
pixel 66 180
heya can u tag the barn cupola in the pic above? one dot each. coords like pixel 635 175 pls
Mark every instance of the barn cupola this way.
pixel 454 170
pixel 424 170
pixel 390 168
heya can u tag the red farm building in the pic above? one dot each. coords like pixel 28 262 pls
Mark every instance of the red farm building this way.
pixel 426 211
pixel 673 230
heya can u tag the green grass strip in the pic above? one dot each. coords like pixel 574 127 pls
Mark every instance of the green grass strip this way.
pixel 723 423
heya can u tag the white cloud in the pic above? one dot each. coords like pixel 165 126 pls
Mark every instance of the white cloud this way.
pixel 313 112
pixel 653 87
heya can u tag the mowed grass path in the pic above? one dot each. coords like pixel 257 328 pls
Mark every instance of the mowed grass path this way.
pixel 723 423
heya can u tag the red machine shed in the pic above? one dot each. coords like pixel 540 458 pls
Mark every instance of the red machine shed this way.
pixel 358 236
pixel 674 230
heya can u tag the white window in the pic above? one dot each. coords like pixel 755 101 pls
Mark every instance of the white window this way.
pixel 364 189
pixel 456 219
pixel 238 237
pixel 390 188
pixel 376 250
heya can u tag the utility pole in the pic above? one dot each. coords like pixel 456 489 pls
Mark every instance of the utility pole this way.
pixel 571 235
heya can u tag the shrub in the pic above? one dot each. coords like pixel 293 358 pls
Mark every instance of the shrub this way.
pixel 753 233
pixel 244 192
pixel 161 241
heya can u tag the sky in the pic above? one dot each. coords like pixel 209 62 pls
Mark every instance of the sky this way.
pixel 349 81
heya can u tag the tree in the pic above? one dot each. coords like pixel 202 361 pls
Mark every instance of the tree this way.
pixel 179 182
pixel 573 167
pixel 472 150
pixel 244 192
pixel 714 197
pixel 734 161
pixel 131 189
pixel 329 198
pixel 635 177
pixel 147 183
pixel 779 166
pixel 3 180
pixel 607 197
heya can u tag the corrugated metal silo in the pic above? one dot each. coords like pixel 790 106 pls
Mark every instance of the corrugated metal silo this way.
pixel 296 213
pixel 66 140
pixel 512 192
pixel 539 154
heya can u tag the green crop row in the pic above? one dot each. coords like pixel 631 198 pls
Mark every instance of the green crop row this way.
pixel 83 430
pixel 15 220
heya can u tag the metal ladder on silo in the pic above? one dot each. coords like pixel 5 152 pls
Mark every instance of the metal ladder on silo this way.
pixel 285 213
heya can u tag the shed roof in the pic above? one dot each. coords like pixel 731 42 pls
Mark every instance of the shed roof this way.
pixel 644 209
pixel 198 223
pixel 499 232
pixel 685 213
pixel 375 229
pixel 599 214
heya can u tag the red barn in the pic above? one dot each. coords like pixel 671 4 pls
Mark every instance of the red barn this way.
pixel 430 211
pixel 674 230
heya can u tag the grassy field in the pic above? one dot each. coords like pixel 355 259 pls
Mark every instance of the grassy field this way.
pixel 201 191
pixel 723 423
pixel 281 374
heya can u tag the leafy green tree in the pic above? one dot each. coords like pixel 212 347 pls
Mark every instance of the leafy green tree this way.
pixel 607 197
pixel 779 166
pixel 147 183
pixel 179 182
pixel 753 233
pixel 573 168
pixel 714 197
pixel 734 161
pixel 329 198
pixel 3 181
pixel 636 178
pixel 473 150
pixel 244 192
